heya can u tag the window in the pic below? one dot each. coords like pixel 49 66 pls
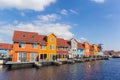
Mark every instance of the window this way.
pixel 64 55
pixel 43 56
pixel 51 47
pixel 33 36
pixel 51 39
pixel 58 48
pixel 58 55
pixel 23 35
pixel 42 47
pixel 33 45
pixel 64 48
pixel 21 45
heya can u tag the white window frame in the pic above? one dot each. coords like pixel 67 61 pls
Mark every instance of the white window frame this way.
pixel 21 44
pixel 42 47
pixel 33 45
pixel 52 47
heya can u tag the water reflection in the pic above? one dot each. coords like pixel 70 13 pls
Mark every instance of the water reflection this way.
pixel 95 70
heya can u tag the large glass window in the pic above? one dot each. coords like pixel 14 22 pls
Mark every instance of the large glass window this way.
pixel 42 47
pixel 64 48
pixel 32 57
pixel 51 47
pixel 58 48
pixel 43 56
pixel 33 45
pixel 21 45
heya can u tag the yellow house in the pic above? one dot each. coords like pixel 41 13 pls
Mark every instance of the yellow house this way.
pixel 47 47
pixel 95 49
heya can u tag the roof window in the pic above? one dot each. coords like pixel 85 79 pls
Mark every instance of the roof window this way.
pixel 33 36
pixel 23 35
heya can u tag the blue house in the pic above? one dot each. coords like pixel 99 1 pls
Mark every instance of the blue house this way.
pixel 80 49
pixel 5 48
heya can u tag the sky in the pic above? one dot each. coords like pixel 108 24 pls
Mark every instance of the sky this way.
pixel 95 21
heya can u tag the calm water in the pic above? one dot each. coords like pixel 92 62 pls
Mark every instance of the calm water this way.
pixel 96 70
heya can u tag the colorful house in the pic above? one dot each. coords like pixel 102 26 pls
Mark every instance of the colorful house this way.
pixel 95 49
pixel 91 50
pixel 80 49
pixel 73 48
pixel 100 52
pixel 30 46
pixel 25 46
pixel 47 49
pixel 5 49
pixel 62 49
pixel 87 49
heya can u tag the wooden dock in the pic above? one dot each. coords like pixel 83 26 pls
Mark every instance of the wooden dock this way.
pixel 47 63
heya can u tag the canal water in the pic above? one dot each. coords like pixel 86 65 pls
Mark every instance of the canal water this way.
pixel 95 70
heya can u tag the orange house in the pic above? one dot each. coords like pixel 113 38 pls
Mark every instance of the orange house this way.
pixel 25 46
pixel 87 49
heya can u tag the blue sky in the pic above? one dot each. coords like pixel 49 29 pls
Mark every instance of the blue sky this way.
pixel 95 21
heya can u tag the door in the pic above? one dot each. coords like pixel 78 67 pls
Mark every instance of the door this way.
pixel 33 57
pixel 22 57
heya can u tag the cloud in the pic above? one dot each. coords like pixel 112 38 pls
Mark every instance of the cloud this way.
pixel 44 28
pixel 99 1
pixel 15 21
pixel 83 39
pixel 64 12
pixel 37 5
pixel 73 11
pixel 49 17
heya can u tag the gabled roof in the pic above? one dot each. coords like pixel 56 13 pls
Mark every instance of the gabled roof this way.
pixel 42 39
pixel 72 39
pixel 52 34
pixel 5 46
pixel 25 36
pixel 62 43
pixel 80 45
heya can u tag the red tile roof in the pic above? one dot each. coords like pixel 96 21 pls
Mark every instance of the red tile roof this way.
pixel 80 45
pixel 99 48
pixel 25 36
pixel 42 39
pixel 62 42
pixel 5 46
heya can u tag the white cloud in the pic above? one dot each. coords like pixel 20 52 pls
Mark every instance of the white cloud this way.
pixel 73 11
pixel 37 5
pixel 64 12
pixel 15 22
pixel 59 29
pixel 49 17
pixel 83 39
pixel 99 1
